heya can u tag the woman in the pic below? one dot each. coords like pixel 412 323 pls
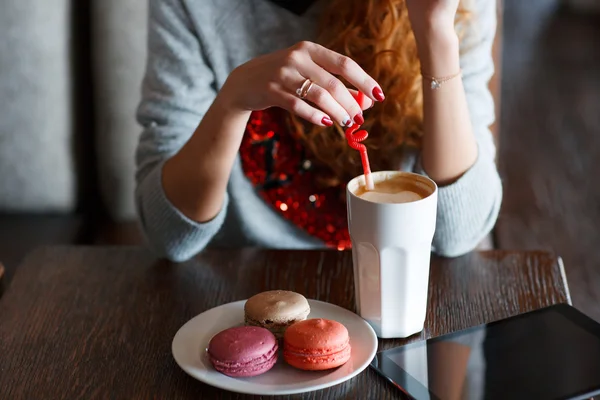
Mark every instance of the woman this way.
pixel 235 152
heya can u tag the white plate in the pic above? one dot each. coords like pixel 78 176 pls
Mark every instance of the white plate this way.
pixel 190 342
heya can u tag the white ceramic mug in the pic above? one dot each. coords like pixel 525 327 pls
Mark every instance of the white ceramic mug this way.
pixel 391 249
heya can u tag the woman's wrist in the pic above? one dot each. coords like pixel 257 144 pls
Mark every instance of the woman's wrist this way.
pixel 227 118
pixel 228 99
pixel 439 51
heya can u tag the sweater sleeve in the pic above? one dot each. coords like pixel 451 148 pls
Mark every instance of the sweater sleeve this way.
pixel 469 207
pixel 177 90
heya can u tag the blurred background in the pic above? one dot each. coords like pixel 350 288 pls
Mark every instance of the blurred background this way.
pixel 70 74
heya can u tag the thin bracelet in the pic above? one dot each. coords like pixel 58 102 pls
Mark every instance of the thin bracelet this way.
pixel 436 83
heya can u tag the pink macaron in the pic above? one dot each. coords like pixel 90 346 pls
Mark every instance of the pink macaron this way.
pixel 243 351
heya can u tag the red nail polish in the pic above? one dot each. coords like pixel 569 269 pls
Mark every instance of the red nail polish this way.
pixel 358 119
pixel 327 121
pixel 378 94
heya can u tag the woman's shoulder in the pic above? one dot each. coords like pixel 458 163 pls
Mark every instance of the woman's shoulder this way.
pixel 202 15
pixel 244 29
pixel 214 13
pixel 249 16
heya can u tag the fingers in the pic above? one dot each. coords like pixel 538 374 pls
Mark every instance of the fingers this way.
pixel 292 80
pixel 320 97
pixel 301 108
pixel 331 98
pixel 325 101
pixel 336 89
pixel 341 65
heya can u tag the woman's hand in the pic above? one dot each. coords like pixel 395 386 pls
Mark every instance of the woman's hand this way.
pixel 272 80
pixel 429 17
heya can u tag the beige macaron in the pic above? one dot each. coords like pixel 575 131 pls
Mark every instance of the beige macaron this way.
pixel 276 310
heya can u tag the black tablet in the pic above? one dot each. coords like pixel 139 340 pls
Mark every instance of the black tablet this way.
pixel 552 353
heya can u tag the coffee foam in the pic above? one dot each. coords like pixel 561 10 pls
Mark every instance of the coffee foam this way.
pixel 405 196
pixel 395 189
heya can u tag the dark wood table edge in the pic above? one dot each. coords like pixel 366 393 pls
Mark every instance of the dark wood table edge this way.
pixel 225 248
pixel 41 248
pixel 563 275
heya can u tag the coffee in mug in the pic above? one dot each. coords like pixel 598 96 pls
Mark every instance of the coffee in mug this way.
pixel 398 189
pixel 391 228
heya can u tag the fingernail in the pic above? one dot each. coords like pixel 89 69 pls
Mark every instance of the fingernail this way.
pixel 327 121
pixel 347 121
pixel 378 94
pixel 359 119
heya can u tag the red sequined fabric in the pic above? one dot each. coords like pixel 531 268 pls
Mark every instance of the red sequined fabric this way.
pixel 283 174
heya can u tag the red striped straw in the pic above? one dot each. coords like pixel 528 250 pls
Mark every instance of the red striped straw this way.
pixel 354 136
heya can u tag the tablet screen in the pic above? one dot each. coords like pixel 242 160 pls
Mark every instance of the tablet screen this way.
pixel 546 354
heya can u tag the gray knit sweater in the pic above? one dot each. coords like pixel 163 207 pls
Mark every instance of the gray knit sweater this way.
pixel 194 45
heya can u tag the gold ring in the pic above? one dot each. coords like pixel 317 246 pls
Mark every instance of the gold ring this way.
pixel 302 92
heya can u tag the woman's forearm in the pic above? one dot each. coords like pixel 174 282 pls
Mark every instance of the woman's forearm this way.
pixel 195 179
pixel 449 146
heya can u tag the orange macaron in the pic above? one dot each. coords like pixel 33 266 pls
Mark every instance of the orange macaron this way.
pixel 316 344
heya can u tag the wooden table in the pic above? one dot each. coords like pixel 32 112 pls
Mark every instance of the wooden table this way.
pixel 85 322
